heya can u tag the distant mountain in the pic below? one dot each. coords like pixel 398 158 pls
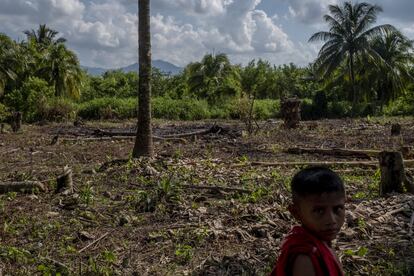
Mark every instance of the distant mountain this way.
pixel 163 66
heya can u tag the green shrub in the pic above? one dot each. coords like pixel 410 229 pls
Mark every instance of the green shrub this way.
pixel 4 112
pixel 56 109
pixel 184 109
pixel 240 109
pixel 266 109
pixel 108 108
pixel 339 109
pixel 30 98
pixel 399 107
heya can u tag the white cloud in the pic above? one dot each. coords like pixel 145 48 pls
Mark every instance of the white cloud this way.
pixel 309 11
pixel 104 32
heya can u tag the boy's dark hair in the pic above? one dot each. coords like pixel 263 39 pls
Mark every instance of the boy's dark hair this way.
pixel 316 180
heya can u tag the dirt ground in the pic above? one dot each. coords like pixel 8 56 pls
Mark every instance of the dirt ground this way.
pixel 201 206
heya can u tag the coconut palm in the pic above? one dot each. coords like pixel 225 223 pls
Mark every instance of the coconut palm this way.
pixel 348 39
pixel 7 59
pixel 63 71
pixel 143 141
pixel 394 75
pixel 44 36
pixel 207 77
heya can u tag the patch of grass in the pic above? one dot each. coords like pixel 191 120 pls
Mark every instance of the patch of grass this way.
pixel 87 194
pixel 183 253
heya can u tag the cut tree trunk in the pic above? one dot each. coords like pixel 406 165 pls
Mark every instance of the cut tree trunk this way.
pixel 395 129
pixel 290 111
pixel 64 181
pixel 25 187
pixel 393 176
pixel 16 121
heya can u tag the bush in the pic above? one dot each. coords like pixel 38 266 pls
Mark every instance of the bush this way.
pixel 30 98
pixel 184 109
pixel 399 107
pixel 4 112
pixel 240 109
pixel 266 109
pixel 56 109
pixel 108 108
pixel 339 109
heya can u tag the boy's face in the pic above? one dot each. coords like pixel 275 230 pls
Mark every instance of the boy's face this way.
pixel 322 214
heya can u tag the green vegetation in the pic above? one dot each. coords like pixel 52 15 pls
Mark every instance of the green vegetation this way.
pixel 362 69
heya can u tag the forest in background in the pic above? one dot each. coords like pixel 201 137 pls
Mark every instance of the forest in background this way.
pixel 358 72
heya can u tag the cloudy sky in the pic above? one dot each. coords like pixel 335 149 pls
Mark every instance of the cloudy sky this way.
pixel 104 32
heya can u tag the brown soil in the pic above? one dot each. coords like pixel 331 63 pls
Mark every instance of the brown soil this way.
pixel 158 216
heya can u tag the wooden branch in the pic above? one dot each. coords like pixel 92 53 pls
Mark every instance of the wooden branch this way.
pixel 217 188
pixel 95 241
pixel 56 263
pixel 359 153
pixel 94 139
pixel 213 129
pixel 335 152
pixel 372 164
pixel 25 186
pixel 101 132
pixel 119 138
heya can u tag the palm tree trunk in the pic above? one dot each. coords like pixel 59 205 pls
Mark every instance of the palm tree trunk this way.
pixel 352 75
pixel 143 142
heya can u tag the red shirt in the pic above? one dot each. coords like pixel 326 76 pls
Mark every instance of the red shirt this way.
pixel 300 241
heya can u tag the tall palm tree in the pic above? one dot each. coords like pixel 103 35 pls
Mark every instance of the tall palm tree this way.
pixel 143 141
pixel 206 76
pixel 7 61
pixel 63 71
pixel 44 36
pixel 348 39
pixel 394 75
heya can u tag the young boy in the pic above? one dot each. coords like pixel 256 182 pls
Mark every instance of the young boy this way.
pixel 318 199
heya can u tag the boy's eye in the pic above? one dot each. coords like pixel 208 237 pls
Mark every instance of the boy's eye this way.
pixel 338 209
pixel 318 211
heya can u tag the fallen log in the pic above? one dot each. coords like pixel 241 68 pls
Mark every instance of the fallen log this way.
pixel 118 138
pixel 25 186
pixel 372 164
pixel 367 154
pixel 213 129
pixel 358 153
pixel 217 188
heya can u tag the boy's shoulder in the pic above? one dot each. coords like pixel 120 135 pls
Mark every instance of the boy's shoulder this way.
pixel 300 241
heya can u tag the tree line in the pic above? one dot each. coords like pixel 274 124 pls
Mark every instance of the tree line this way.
pixel 361 69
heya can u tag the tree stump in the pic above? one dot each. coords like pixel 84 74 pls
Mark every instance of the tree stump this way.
pixel 392 173
pixel 16 121
pixel 290 112
pixel 64 181
pixel 395 129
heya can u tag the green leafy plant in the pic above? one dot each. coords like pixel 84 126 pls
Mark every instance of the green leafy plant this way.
pixel 183 253
pixel 86 194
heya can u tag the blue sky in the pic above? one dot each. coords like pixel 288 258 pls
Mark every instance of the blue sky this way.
pixel 104 32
